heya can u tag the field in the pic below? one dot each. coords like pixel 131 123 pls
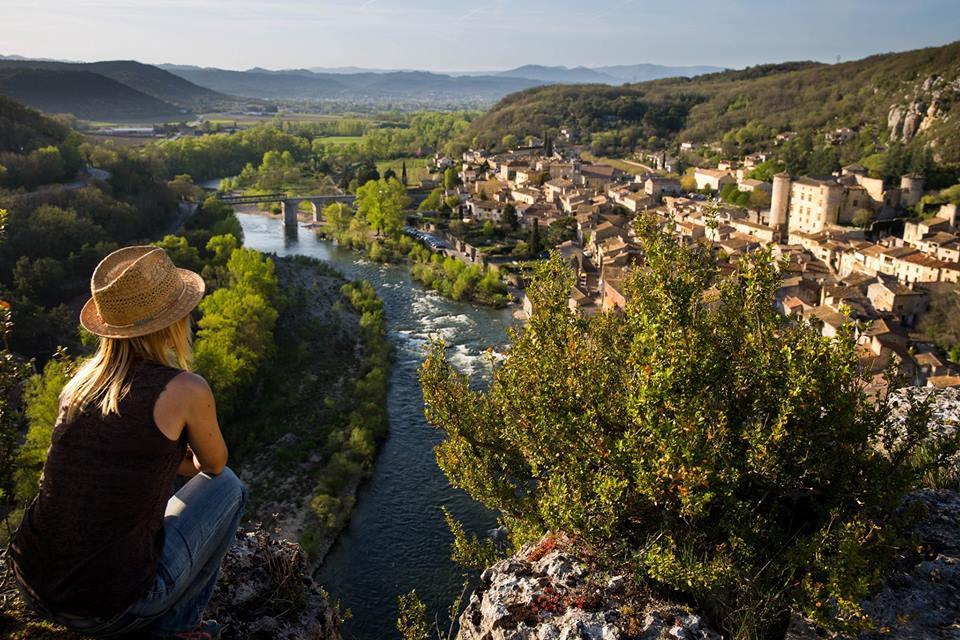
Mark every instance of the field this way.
pixel 416 168
pixel 627 167
pixel 342 139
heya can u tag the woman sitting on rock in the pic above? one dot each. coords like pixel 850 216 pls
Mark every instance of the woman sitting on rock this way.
pixel 104 549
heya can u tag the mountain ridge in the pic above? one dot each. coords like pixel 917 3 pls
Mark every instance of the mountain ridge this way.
pixel 144 78
pixel 761 100
pixel 84 94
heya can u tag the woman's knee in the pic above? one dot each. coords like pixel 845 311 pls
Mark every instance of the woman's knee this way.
pixel 228 482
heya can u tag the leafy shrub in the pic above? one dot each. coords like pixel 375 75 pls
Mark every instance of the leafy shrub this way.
pixel 698 438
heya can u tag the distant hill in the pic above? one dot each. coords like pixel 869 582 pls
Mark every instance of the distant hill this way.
pixel 900 95
pixel 644 72
pixel 85 94
pixel 23 129
pixel 147 79
pixel 559 75
pixel 617 74
pixel 303 84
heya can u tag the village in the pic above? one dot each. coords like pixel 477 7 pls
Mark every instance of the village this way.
pixel 853 248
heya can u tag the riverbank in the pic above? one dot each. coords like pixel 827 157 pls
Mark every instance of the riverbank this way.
pixel 310 437
pixel 449 276
pixel 396 539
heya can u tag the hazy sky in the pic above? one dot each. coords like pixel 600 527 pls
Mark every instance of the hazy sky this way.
pixel 476 35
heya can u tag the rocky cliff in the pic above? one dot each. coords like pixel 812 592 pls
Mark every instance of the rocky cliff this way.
pixel 547 592
pixel 265 590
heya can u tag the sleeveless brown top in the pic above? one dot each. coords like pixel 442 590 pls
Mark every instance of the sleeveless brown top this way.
pixel 89 543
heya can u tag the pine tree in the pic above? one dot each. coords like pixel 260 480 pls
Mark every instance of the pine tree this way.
pixel 535 245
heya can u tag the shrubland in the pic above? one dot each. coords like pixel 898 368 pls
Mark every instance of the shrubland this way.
pixel 699 441
pixel 351 443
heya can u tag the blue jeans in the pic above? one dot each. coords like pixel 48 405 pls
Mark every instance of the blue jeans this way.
pixel 200 524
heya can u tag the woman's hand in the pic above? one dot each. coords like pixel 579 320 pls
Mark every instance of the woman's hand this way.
pixel 189 466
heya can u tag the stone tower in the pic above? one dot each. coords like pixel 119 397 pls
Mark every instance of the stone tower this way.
pixel 911 190
pixel 779 200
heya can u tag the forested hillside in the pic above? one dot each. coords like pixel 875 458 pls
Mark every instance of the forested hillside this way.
pixel 145 78
pixel 84 94
pixel 54 235
pixel 878 93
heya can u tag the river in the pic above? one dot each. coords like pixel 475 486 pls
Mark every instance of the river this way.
pixel 397 539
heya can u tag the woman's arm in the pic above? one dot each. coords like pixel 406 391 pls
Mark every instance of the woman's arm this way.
pixel 187 404
pixel 203 430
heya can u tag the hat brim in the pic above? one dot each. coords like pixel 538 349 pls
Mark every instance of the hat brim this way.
pixel 193 289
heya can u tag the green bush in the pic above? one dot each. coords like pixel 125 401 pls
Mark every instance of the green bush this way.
pixel 697 440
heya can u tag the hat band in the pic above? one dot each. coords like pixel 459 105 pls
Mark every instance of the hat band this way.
pixel 142 321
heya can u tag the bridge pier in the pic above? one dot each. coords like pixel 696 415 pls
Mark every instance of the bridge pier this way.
pixel 316 211
pixel 290 208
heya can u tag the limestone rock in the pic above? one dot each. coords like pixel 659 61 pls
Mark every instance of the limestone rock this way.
pixel 928 102
pixel 265 591
pixel 895 121
pixel 920 600
pixel 546 593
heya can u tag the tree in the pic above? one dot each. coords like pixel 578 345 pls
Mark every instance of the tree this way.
pixel 390 174
pixel 432 202
pixel 509 141
pixel 862 218
pixel 222 248
pixel 688 183
pixel 180 251
pixel 412 617
pixel 452 203
pixel 366 172
pixel 651 437
pixel 381 203
pixel 403 173
pixel 823 162
pixel 235 332
pixel 759 199
pixel 450 179
pixel 766 170
pixel 336 217
pixel 184 189
pixel 277 170
pixel 42 406
pixel 534 244
pixel 510 216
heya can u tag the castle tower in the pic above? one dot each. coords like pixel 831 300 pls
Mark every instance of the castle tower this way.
pixel 779 199
pixel 911 190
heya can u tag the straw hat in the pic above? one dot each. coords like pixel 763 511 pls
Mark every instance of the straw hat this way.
pixel 138 290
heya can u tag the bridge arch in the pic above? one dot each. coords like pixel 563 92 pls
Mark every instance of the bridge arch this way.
pixel 290 204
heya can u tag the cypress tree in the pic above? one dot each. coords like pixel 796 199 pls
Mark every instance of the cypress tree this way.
pixel 535 246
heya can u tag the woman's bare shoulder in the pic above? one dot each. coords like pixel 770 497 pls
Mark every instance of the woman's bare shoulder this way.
pixel 189 384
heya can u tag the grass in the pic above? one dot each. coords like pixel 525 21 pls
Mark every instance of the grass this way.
pixel 626 167
pixel 416 168
pixel 342 139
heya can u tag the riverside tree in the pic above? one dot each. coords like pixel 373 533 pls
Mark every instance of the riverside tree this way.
pixel 381 203
pixel 699 441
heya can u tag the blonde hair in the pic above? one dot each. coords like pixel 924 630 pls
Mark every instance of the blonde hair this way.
pixel 104 378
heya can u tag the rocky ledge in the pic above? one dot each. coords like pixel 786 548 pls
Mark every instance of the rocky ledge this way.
pixel 264 592
pixel 546 592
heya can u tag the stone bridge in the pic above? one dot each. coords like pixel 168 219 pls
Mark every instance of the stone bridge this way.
pixel 290 204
